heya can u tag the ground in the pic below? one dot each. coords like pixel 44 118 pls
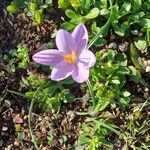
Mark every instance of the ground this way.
pixel 65 126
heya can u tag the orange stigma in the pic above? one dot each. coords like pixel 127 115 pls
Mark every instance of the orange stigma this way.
pixel 70 58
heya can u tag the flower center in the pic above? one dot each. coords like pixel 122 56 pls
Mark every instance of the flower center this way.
pixel 70 58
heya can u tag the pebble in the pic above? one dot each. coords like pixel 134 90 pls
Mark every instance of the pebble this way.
pixel 16 143
pixel 123 47
pixel 147 69
pixel 4 129
pixel 134 32
pixel 112 46
pixel 146 89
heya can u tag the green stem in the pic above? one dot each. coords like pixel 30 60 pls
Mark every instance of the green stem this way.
pixel 91 93
pixel 103 29
pixel 29 121
pixel 29 115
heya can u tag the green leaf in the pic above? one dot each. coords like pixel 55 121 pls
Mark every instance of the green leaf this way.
pixel 115 81
pixel 136 5
pixel 74 3
pixel 125 8
pixel 115 14
pixel 140 43
pixel 21 3
pixel 121 29
pixel 121 59
pixel 64 4
pixel 85 5
pixel 111 55
pixel 104 12
pixel 29 94
pixel 49 2
pixel 123 70
pixel 124 101
pixel 135 56
pixel 103 3
pixel 126 94
pixel 67 81
pixel 137 18
pixel 13 8
pixel 71 14
pixel 21 136
pixel 145 23
pixel 136 75
pixel 68 25
pixel 32 6
pixel 103 103
pixel 100 42
pixel 38 16
pixel 92 14
pixel 83 139
pixel 51 89
pixel 94 28
pixel 7 103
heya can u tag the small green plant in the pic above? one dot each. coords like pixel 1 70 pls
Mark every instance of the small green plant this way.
pixel 94 135
pixel 137 127
pixel 9 64
pixel 16 6
pixel 34 8
pixel 78 12
pixel 109 77
pixel 50 95
pixel 123 17
pixel 20 133
pixel 16 58
pixel 22 56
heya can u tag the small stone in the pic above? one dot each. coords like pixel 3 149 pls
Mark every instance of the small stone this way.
pixel 18 119
pixel 9 147
pixel 4 129
pixel 145 63
pixel 147 69
pixel 123 47
pixel 134 32
pixel 16 143
pixel 43 130
pixel 146 89
pixel 112 46
pixel 44 148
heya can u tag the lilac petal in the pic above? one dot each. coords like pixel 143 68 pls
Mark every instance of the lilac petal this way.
pixel 80 74
pixel 65 42
pixel 80 34
pixel 61 73
pixel 48 57
pixel 87 58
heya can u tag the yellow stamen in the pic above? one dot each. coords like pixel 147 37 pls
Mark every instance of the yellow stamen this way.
pixel 70 58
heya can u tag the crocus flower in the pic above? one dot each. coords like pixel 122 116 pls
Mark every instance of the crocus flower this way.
pixel 72 57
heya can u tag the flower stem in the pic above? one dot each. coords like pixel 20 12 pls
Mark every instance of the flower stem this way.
pixel 103 28
pixel 29 121
pixel 91 93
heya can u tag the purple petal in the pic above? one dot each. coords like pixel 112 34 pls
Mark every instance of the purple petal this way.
pixel 87 58
pixel 48 57
pixel 80 74
pixel 65 42
pixel 80 35
pixel 61 73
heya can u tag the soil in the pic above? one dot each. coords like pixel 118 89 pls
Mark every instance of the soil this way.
pixel 16 29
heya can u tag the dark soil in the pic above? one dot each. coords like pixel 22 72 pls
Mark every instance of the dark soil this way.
pixel 15 29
